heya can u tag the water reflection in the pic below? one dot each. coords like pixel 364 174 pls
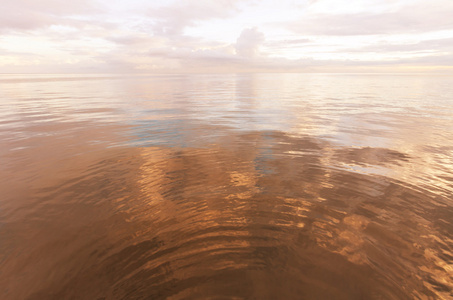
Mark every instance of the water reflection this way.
pixel 180 199
pixel 255 215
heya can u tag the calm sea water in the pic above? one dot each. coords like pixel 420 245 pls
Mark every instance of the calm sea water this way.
pixel 265 186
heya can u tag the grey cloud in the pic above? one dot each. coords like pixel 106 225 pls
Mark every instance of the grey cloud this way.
pixel 30 14
pixel 245 59
pixel 5 52
pixel 429 60
pixel 419 17
pixel 25 20
pixel 171 20
pixel 296 41
pixel 56 7
pixel 432 60
pixel 223 60
pixel 427 45
pixel 189 54
pixel 307 64
pixel 248 43
pixel 290 43
pixel 129 39
pixel 111 64
pixel 241 53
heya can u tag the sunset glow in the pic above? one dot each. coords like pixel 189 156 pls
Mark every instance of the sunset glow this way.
pixel 137 36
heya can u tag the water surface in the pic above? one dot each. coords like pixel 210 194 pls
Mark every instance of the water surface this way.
pixel 248 186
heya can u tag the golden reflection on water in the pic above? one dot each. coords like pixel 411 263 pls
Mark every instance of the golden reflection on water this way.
pixel 163 207
pixel 183 216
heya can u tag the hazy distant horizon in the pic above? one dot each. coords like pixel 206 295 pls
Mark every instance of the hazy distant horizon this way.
pixel 421 73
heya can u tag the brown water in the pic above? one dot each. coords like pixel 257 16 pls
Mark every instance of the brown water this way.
pixel 267 186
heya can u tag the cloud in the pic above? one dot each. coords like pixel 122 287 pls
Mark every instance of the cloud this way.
pixel 171 20
pixel 133 39
pixel 433 45
pixel 288 43
pixel 4 53
pixel 248 43
pixel 31 14
pixel 425 16
pixel 200 55
pixel 431 60
pixel 205 35
pixel 186 53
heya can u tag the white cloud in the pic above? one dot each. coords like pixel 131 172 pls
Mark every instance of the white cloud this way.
pixel 248 43
pixel 222 35
pixel 173 19
pixel 415 17
pixel 31 14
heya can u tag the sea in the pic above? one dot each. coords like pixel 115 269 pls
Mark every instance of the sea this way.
pixel 226 186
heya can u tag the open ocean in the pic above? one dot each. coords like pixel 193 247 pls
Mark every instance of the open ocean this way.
pixel 228 186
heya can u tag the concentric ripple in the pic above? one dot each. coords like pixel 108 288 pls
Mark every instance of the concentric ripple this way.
pixel 213 200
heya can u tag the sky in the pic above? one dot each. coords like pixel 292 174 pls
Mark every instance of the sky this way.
pixel 175 36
